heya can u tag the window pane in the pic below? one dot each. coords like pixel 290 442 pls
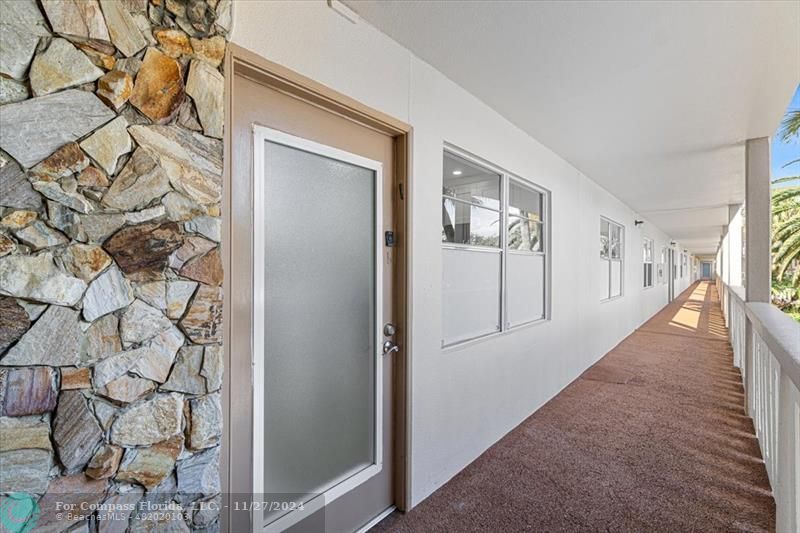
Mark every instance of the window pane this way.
pixel 616 244
pixel 464 223
pixel 604 278
pixel 470 294
pixel 604 238
pixel 524 234
pixel 616 278
pixel 471 183
pixel 648 251
pixel 524 202
pixel 525 280
pixel 615 250
pixel 648 274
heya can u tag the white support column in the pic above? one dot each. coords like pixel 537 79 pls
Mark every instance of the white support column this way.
pixel 734 238
pixel 758 260
pixel 726 275
pixel 758 254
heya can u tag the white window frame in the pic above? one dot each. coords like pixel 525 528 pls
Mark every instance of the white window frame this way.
pixel 506 178
pixel 648 241
pixel 609 259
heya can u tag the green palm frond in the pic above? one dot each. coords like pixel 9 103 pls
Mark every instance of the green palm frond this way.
pixel 781 209
pixel 785 193
pixel 786 224
pixel 788 252
pixel 790 126
pixel 785 229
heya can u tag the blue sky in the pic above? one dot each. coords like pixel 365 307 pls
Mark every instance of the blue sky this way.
pixel 782 153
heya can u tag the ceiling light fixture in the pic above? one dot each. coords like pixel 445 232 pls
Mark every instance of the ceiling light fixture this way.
pixel 457 173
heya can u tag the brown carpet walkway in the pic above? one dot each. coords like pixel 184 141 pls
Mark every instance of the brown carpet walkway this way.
pixel 651 438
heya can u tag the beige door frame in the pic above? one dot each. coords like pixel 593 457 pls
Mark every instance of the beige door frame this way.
pixel 242 62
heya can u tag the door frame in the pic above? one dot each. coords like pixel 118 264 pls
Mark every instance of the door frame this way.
pixel 235 479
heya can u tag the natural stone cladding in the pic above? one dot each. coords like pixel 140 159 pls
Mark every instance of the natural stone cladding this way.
pixel 111 119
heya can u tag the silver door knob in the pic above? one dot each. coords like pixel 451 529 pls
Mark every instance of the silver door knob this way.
pixel 389 347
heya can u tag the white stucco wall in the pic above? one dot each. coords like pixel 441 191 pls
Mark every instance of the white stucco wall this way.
pixel 465 399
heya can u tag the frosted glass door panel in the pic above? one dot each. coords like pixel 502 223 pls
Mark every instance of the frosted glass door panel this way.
pixel 319 327
pixel 470 295
pixel 525 292
pixel 616 278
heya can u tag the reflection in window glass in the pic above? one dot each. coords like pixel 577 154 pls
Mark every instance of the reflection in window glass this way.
pixel 524 235
pixel 611 258
pixel 616 244
pixel 470 183
pixel 470 203
pixel 525 229
pixel 524 202
pixel 465 223
pixel 647 261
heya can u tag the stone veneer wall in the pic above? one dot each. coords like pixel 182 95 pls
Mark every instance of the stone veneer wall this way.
pixel 111 117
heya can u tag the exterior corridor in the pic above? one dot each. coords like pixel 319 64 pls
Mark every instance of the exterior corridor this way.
pixel 653 437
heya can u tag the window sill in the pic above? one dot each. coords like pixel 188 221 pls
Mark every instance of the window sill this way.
pixel 489 336
pixel 605 300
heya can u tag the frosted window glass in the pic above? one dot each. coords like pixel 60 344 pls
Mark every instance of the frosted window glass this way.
pixel 319 327
pixel 616 278
pixel 525 288
pixel 470 295
pixel 603 278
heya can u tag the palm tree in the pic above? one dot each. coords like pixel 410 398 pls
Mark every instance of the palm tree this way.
pixel 786 228
pixel 790 125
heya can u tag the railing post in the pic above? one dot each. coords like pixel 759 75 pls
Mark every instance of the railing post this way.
pixel 758 259
pixel 787 495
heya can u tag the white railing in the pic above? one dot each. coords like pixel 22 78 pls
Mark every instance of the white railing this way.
pixel 736 319
pixel 771 376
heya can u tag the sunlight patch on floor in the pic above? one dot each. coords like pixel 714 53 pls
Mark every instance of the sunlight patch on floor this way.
pixel 699 294
pixel 686 318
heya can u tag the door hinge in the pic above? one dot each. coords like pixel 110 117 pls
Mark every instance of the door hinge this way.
pixel 400 188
